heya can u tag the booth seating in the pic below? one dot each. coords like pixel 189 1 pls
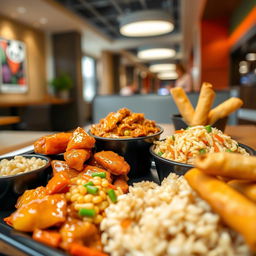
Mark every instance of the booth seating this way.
pixel 155 107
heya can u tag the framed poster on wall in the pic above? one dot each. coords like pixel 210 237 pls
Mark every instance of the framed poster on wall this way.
pixel 13 66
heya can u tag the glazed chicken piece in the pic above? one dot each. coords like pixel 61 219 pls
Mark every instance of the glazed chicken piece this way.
pixel 80 140
pixel 109 123
pixel 59 183
pixel 89 169
pixel 52 144
pixel 62 166
pixel 121 182
pixel 112 162
pixel 30 195
pixel 134 118
pixel 39 213
pixel 75 158
pixel 75 230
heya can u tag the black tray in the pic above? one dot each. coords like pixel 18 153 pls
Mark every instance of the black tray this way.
pixel 21 243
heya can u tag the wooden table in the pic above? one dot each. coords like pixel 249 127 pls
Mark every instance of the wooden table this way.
pixel 5 120
pixel 31 102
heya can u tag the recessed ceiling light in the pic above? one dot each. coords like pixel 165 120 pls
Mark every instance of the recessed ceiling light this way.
pixel 146 23
pixel 251 56
pixel 21 10
pixel 161 67
pixel 43 20
pixel 171 75
pixel 156 53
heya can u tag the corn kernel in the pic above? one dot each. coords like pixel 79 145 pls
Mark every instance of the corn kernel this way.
pixel 96 208
pixel 97 199
pixel 75 191
pixel 98 219
pixel 102 194
pixel 82 189
pixel 74 197
pixel 88 198
pixel 103 205
pixel 96 182
pixel 87 206
pixel 68 195
pixel 80 199
pixel 104 183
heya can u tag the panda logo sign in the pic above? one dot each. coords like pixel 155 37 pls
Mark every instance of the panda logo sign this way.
pixel 13 57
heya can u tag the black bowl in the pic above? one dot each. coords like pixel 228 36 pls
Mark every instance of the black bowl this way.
pixel 165 166
pixel 134 150
pixel 179 123
pixel 11 187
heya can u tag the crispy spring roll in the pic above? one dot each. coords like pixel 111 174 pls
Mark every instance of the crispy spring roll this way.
pixel 230 165
pixel 248 188
pixel 204 105
pixel 183 104
pixel 224 109
pixel 236 211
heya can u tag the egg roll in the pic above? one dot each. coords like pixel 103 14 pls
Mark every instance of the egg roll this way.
pixel 204 105
pixel 183 104
pixel 235 210
pixel 224 109
pixel 230 165
pixel 248 188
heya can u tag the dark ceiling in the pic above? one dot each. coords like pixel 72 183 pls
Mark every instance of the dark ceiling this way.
pixel 104 14
pixel 218 9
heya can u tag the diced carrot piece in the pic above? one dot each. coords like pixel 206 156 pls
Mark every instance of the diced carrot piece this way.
pixel 221 140
pixel 216 149
pixel 58 183
pixel 179 131
pixel 80 250
pixel 51 238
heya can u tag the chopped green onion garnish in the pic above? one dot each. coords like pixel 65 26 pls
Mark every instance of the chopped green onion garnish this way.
pixel 228 150
pixel 208 128
pixel 160 153
pixel 99 174
pixel 173 137
pixel 89 183
pixel 112 195
pixel 91 189
pixel 187 128
pixel 87 212
pixel 202 151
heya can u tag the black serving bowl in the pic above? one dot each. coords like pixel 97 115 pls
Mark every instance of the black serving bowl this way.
pixel 179 123
pixel 134 150
pixel 11 187
pixel 165 166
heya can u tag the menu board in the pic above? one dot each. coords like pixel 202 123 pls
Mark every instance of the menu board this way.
pixel 13 66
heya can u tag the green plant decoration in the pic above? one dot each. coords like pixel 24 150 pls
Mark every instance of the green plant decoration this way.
pixel 62 83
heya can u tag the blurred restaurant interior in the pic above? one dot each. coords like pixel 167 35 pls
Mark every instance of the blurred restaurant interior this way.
pixel 67 63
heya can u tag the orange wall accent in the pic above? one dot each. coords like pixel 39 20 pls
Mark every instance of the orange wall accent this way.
pixel 243 27
pixel 215 53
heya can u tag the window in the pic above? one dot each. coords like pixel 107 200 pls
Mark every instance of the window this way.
pixel 89 78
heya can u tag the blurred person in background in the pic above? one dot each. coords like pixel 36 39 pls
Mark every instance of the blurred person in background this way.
pixel 128 90
pixel 184 79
